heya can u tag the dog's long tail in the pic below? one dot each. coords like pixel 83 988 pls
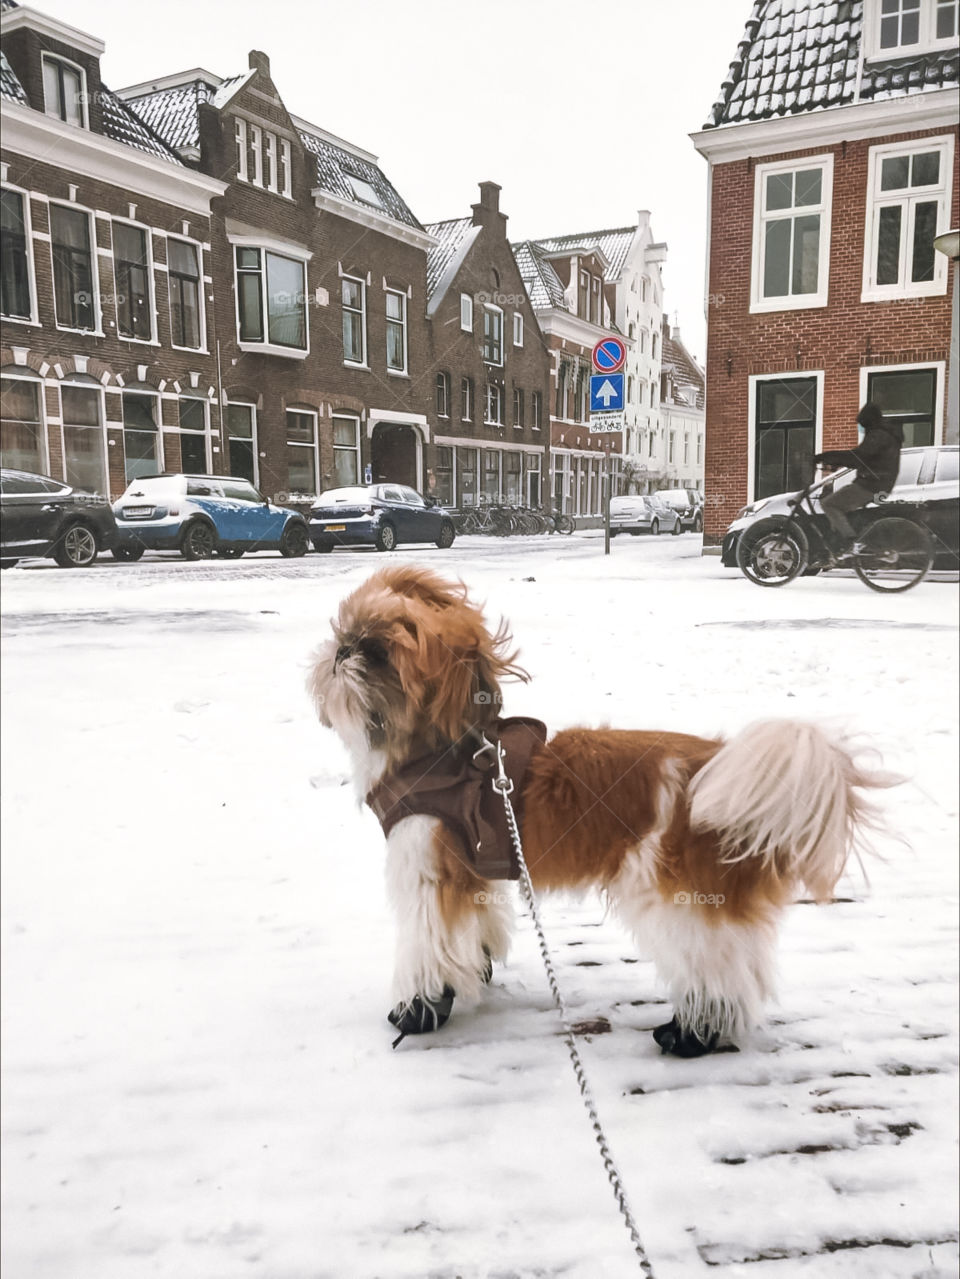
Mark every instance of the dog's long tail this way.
pixel 785 792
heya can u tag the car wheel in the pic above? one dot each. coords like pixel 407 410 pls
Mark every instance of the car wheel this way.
pixel 698 524
pixel 655 528
pixel 634 532
pixel 614 532
pixel 294 542
pixel 128 552
pixel 676 529
pixel 386 539
pixel 199 542
pixel 323 548
pixel 76 548
pixel 447 534
pixel 229 552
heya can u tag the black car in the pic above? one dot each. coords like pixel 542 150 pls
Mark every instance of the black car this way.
pixel 380 515
pixel 927 491
pixel 40 516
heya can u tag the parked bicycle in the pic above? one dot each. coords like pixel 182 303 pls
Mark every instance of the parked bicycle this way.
pixel 891 554
pixel 499 519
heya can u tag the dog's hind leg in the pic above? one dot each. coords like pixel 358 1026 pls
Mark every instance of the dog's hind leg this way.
pixel 449 924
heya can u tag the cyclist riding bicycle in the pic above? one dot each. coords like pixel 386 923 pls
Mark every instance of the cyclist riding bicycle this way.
pixel 876 460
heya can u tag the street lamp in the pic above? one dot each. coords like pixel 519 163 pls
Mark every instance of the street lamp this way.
pixel 949 245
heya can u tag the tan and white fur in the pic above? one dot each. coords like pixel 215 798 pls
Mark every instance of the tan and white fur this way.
pixel 697 843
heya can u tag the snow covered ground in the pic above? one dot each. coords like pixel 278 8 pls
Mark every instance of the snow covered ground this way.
pixel 199 1081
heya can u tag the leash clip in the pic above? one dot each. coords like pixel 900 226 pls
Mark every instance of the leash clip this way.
pixel 502 782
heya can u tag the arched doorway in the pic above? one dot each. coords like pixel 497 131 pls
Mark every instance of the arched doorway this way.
pixel 395 454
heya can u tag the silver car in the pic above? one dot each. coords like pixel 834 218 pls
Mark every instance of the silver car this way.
pixel 642 513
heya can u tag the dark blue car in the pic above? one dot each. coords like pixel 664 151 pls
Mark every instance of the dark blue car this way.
pixel 380 515
pixel 204 515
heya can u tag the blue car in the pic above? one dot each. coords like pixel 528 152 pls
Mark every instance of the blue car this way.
pixel 204 515
pixel 380 515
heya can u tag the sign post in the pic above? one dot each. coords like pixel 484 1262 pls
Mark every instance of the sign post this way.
pixel 607 409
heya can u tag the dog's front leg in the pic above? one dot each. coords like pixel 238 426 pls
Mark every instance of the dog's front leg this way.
pixel 449 925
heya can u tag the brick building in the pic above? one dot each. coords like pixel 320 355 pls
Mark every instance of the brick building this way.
pixel 833 165
pixel 492 367
pixel 106 345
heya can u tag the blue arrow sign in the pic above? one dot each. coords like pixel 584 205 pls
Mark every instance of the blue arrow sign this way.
pixel 606 392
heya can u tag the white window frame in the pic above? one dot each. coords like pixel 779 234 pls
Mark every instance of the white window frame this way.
pixel 492 309
pixel 286 161
pixel 401 294
pixel 797 301
pixel 536 410
pixel 97 331
pixel 34 317
pixel 282 250
pixel 14 375
pixel 926 42
pixel 908 199
pixel 151 283
pixel 202 349
pixel 343 448
pixel 181 431
pixel 256 146
pixel 487 397
pixel 752 381
pixel 939 366
pixel 444 377
pixel 466 313
pixel 84 96
pixel 362 363
pixel 240 139
pixel 517 329
pixel 311 413
pixel 271 152
pixel 254 437
pixel 104 441
pixel 471 395
pixel 157 397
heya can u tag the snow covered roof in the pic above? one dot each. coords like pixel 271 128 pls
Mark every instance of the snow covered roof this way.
pixel 124 125
pixel 680 364
pixel 173 111
pixel 350 175
pixel 802 55
pixel 10 86
pixel 614 245
pixel 541 281
pixel 449 236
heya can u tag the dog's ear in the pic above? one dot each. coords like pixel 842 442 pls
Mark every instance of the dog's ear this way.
pixel 319 679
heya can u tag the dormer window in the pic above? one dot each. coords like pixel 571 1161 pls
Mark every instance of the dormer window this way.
pixel 64 91
pixel 896 28
pixel 363 190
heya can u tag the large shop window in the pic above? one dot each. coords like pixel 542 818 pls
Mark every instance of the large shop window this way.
pixel 909 199
pixel 132 274
pixel 467 476
pixel 83 455
pixel 491 475
pixel 73 291
pixel 907 397
pixel 271 299
pixel 193 436
pixel 21 426
pixel 183 272
pixel 444 474
pixel 241 439
pixel 301 451
pixel 141 436
pixel 512 472
pixel 346 451
pixel 786 425
pixel 791 234
pixel 15 299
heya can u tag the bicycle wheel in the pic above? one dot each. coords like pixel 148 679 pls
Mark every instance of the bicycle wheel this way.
pixel 469 523
pixel 772 553
pixel 563 523
pixel 894 554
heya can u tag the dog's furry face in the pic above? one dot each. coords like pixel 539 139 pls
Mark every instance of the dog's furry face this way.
pixel 410 669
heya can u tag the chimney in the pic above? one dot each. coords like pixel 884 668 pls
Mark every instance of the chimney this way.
pixel 487 211
pixel 258 61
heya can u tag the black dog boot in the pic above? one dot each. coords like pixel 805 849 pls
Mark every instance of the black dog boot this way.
pixel 684 1043
pixel 421 1015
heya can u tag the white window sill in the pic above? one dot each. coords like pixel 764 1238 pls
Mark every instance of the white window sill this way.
pixel 87 333
pixel 488 422
pixel 352 364
pixel 138 341
pixel 265 348
pixel 933 289
pixel 191 350
pixel 18 319
pixel 803 302
pixel 397 373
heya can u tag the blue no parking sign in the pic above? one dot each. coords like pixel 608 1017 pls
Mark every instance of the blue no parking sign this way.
pixel 609 355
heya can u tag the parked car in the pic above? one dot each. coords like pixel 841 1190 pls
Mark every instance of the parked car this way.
pixel 642 513
pixel 688 504
pixel 927 490
pixel 203 515
pixel 42 517
pixel 380 515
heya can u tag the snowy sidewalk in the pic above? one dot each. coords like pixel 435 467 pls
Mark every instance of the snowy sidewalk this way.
pixel 197 949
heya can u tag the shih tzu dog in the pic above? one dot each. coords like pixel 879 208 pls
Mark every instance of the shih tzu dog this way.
pixel 697 844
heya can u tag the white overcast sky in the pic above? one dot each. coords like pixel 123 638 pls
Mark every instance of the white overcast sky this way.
pixel 580 111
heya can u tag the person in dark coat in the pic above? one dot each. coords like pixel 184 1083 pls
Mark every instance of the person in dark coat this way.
pixel 876 460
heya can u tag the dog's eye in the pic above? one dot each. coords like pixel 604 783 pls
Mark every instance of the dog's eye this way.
pixel 373 651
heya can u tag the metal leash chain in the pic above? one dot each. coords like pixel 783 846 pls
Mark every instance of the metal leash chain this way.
pixel 504 785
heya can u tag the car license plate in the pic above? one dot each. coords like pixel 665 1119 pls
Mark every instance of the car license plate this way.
pixel 336 528
pixel 137 510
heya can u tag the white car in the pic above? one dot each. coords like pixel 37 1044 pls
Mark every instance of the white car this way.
pixel 642 513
